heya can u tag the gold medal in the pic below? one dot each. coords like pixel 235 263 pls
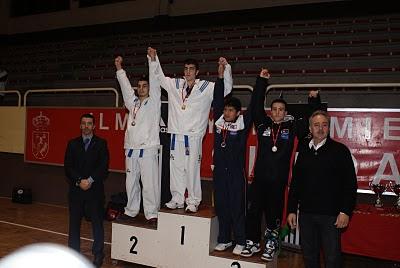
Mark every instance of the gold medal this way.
pixel 183 106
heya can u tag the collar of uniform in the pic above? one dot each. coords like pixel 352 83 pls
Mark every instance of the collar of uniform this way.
pixel 319 145
pixel 196 82
pixel 233 126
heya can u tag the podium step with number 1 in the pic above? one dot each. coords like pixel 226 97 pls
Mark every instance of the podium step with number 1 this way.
pixel 180 240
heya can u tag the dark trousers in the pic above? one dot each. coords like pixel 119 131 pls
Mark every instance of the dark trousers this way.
pixel 95 209
pixel 230 205
pixel 267 198
pixel 316 231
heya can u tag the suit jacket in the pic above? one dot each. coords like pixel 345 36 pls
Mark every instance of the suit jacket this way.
pixel 81 164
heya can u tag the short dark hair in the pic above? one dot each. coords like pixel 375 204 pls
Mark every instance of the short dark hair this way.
pixel 144 77
pixel 233 102
pixel 192 61
pixel 87 116
pixel 279 100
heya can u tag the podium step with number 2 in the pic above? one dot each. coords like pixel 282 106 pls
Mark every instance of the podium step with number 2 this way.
pixel 180 240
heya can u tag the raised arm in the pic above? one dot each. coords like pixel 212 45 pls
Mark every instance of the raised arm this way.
pixel 314 103
pixel 227 75
pixel 154 87
pixel 218 102
pixel 258 98
pixel 128 93
pixel 155 69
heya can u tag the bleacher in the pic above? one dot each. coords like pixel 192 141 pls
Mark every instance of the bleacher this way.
pixel 360 49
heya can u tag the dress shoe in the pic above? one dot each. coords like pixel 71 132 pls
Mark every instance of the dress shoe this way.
pixel 98 260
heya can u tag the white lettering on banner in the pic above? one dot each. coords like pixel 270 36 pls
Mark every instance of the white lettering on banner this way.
pixel 387 128
pixel 347 125
pixel 355 163
pixel 388 158
pixel 101 123
pixel 368 128
pixel 119 123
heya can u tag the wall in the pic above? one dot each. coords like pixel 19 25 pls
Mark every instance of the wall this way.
pixel 12 135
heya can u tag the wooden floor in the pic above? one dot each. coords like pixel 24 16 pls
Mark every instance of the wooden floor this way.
pixel 21 225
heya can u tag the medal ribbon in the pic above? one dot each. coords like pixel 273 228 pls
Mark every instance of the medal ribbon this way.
pixel 225 131
pixel 136 109
pixel 187 93
pixel 275 136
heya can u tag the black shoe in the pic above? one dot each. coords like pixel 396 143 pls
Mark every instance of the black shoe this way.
pixel 98 260
pixel 124 217
pixel 152 222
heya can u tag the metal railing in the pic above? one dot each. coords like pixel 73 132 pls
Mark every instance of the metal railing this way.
pixel 13 92
pixel 57 90
pixel 343 85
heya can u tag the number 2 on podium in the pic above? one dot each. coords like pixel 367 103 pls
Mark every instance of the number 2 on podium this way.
pixel 135 241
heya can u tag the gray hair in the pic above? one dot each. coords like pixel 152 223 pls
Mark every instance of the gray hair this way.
pixel 319 112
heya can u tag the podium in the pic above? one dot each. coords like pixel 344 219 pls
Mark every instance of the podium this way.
pixel 179 240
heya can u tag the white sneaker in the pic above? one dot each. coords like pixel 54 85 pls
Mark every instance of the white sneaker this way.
pixel 223 246
pixel 173 205
pixel 191 208
pixel 238 249
pixel 250 249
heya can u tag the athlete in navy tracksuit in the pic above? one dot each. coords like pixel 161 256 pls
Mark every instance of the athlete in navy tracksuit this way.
pixel 275 135
pixel 230 136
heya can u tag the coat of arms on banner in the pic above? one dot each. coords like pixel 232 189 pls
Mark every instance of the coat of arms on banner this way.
pixel 40 136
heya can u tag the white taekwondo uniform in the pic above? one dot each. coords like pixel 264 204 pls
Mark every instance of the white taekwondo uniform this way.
pixel 141 147
pixel 187 122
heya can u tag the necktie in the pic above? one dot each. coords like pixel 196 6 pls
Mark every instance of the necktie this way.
pixel 86 142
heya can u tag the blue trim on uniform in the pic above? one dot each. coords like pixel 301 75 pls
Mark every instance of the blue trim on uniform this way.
pixel 130 152
pixel 172 142
pixel 186 138
pixel 177 83
pixel 204 86
pixel 141 153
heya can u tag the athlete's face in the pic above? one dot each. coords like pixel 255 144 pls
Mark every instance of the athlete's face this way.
pixel 87 126
pixel 319 128
pixel 143 89
pixel 230 113
pixel 190 72
pixel 278 111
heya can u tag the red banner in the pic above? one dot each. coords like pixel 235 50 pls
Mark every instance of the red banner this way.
pixel 373 136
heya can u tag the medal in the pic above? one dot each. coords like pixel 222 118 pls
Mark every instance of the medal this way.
pixel 135 110
pixel 184 99
pixel 225 130
pixel 274 149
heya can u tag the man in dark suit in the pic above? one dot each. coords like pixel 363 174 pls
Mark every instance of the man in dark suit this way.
pixel 86 167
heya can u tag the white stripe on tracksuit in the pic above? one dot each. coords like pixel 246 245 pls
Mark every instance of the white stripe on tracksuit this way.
pixel 142 164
